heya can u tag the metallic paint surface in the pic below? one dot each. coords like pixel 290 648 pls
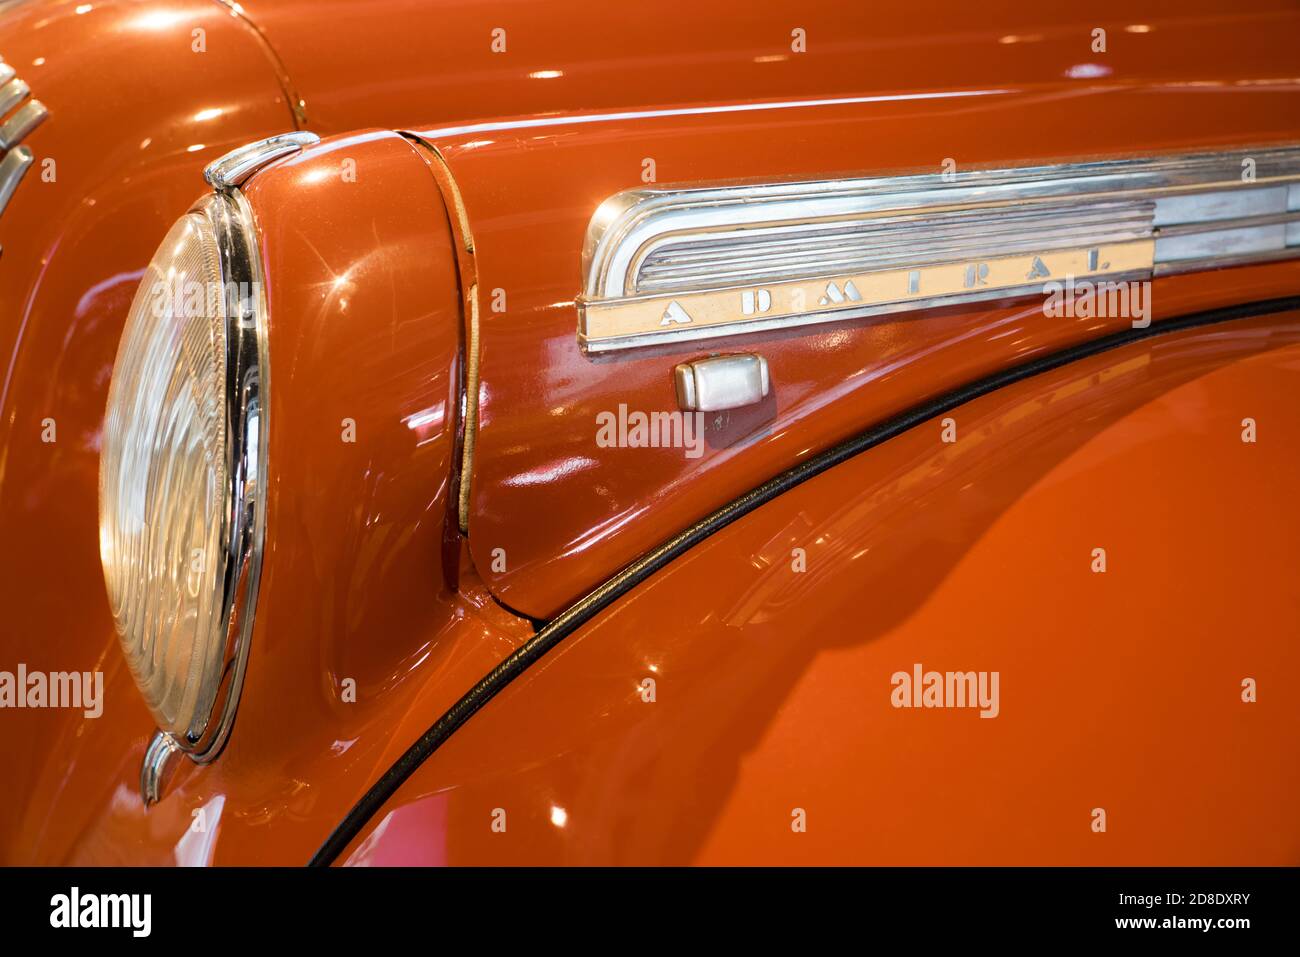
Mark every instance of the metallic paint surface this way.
pixel 1119 690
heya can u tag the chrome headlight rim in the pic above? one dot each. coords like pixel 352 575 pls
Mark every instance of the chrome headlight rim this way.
pixel 247 387
pixel 213 659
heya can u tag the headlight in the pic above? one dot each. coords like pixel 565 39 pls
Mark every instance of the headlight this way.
pixel 181 482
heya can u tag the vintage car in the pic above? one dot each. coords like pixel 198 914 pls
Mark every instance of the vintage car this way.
pixel 581 433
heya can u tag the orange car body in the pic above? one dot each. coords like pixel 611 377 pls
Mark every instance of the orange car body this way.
pixel 456 165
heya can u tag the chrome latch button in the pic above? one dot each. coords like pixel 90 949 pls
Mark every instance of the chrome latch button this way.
pixel 722 382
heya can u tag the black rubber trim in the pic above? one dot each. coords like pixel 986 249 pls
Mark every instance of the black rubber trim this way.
pixel 582 611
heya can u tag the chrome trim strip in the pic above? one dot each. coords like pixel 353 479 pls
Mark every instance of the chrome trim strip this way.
pixel 12 92
pixel 234 169
pixel 468 269
pixel 31 115
pixel 648 320
pixel 666 264
pixel 742 327
pixel 12 170
pixel 1217 225
pixel 17 159
pixel 772 254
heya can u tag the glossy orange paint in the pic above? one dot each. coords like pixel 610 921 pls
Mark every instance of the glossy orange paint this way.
pixel 773 688
pixel 365 326
pixel 530 191
pixel 984 85
pixel 134 114
pixel 352 603
pixel 395 62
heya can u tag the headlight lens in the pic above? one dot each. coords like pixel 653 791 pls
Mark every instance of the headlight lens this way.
pixel 180 506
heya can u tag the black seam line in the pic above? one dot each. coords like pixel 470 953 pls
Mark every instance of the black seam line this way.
pixel 577 614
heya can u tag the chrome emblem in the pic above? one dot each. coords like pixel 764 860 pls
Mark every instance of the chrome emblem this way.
pixel 665 265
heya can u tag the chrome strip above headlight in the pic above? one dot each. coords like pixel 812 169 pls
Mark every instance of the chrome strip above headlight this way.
pixel 671 264
pixel 233 169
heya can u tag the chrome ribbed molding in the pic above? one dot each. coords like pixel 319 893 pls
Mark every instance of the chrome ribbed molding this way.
pixel 19 115
pixel 670 264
